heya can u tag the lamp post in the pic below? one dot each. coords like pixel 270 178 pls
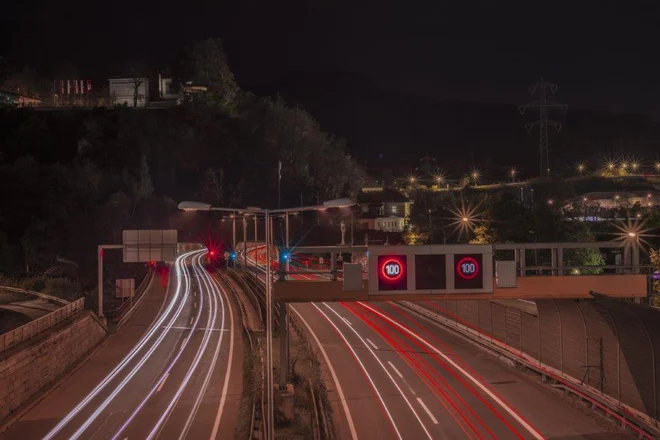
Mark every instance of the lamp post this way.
pixel 267 213
pixel 244 240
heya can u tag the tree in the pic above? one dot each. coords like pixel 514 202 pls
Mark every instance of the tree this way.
pixel 137 73
pixel 25 81
pixel 579 232
pixel 144 187
pixel 210 69
pixel 484 234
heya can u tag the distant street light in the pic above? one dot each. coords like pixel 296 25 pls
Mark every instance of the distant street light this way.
pixel 634 166
pixel 439 178
pixel 551 202
pixel 513 174
pixel 657 167
pixel 475 175
pixel 581 167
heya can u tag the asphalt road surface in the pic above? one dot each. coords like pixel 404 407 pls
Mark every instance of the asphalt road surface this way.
pixel 173 372
pixel 395 374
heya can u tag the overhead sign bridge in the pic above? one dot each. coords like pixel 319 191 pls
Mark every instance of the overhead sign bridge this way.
pixel 458 272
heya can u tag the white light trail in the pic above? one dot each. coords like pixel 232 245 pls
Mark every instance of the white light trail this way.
pixel 137 368
pixel 153 390
pixel 134 352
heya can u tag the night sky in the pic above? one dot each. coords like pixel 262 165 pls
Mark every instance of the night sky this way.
pixel 603 55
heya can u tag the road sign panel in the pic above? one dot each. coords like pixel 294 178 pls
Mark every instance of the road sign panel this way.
pixel 392 272
pixel 468 271
pixel 430 272
pixel 430 269
pixel 144 245
pixel 124 288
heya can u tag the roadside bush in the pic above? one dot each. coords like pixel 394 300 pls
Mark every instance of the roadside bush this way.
pixel 36 283
pixel 62 288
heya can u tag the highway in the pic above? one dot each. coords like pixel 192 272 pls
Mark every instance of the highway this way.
pixel 395 374
pixel 174 372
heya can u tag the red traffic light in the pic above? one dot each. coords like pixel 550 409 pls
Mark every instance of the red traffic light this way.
pixel 212 253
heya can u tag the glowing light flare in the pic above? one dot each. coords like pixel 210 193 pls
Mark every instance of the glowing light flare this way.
pixel 580 167
pixel 632 231
pixel 465 218
pixel 475 175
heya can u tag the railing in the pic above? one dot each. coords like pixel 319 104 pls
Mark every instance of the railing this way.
pixel 257 421
pixel 519 336
pixel 37 294
pixel 33 328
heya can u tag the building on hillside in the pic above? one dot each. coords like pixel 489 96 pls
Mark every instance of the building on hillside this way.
pixel 616 200
pixel 383 209
pixel 167 90
pixel 122 91
pixel 18 100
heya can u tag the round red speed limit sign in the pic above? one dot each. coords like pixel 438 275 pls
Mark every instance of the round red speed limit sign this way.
pixel 468 268
pixel 392 270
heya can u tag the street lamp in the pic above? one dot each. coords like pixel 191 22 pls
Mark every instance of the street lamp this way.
pixel 513 174
pixel 336 203
pixel 581 167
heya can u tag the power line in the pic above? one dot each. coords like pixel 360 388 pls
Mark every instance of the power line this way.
pixel 543 122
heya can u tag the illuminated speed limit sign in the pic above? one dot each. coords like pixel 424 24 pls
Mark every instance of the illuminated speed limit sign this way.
pixel 468 271
pixel 467 268
pixel 392 272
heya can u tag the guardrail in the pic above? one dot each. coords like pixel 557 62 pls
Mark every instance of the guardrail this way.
pixel 518 355
pixel 257 421
pixel 37 294
pixel 33 328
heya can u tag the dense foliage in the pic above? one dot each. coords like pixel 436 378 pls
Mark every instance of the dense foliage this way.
pixel 73 179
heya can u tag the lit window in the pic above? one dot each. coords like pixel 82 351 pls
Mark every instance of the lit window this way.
pixel 394 209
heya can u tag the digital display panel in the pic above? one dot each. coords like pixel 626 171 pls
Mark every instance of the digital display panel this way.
pixel 430 272
pixel 468 271
pixel 392 272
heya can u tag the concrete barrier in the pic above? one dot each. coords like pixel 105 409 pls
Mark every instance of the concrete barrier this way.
pixel 26 370
pixel 33 328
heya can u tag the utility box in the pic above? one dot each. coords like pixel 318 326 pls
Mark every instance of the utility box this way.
pixel 505 274
pixel 352 277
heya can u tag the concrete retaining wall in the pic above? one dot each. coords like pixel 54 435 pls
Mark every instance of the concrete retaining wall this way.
pixel 27 369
